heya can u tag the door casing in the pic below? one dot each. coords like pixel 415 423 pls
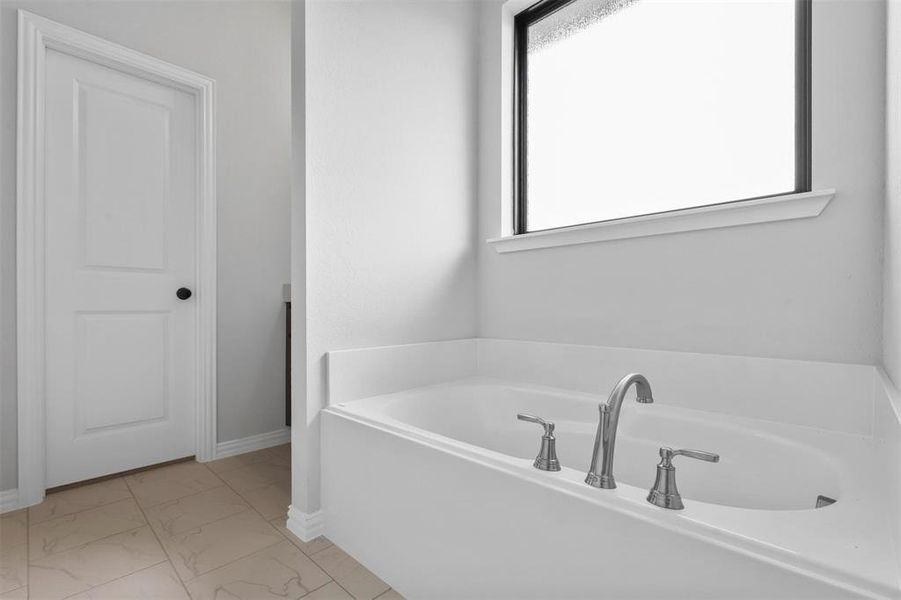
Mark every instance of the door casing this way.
pixel 37 35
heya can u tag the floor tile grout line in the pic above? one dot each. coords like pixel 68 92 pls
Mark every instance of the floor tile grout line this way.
pixel 99 506
pixel 77 511
pixel 132 499
pixel 281 535
pixel 309 556
pixel 254 553
pixel 245 509
pixel 259 514
pixel 80 546
pixel 28 530
pixel 28 538
pixel 180 498
pixel 249 507
pixel 142 510
pixel 160 542
pixel 355 560
pixel 338 583
pixel 94 587
pixel 231 562
pixel 330 580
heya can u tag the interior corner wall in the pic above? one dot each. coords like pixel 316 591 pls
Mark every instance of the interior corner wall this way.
pixel 303 445
pixel 245 47
pixel 805 289
pixel 391 151
pixel 891 342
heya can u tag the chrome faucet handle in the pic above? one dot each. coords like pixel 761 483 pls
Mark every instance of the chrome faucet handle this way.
pixel 667 455
pixel 547 454
pixel 665 494
pixel 548 425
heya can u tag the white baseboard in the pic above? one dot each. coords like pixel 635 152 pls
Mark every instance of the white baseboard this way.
pixel 306 526
pixel 9 500
pixel 254 442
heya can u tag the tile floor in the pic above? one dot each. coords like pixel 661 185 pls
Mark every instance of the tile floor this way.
pixel 189 530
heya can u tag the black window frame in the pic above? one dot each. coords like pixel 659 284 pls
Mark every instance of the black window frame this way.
pixel 540 10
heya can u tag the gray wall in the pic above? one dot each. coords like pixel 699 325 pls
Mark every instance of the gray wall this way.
pixel 808 289
pixel 891 342
pixel 391 152
pixel 246 48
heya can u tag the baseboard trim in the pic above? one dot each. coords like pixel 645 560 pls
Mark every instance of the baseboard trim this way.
pixel 306 526
pixel 9 500
pixel 253 442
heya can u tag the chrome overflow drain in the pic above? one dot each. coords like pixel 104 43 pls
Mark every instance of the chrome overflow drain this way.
pixel 824 501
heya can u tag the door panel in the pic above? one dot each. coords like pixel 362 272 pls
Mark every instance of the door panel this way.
pixel 124 220
pixel 113 390
pixel 121 198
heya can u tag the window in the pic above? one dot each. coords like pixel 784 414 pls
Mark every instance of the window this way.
pixel 635 107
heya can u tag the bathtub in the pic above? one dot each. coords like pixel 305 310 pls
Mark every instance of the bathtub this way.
pixel 433 488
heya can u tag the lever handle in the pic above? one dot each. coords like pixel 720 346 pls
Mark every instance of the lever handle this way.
pixel 667 454
pixel 548 425
pixel 547 454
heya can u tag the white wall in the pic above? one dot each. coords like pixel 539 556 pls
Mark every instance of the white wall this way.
pixel 808 289
pixel 891 343
pixel 245 46
pixel 390 194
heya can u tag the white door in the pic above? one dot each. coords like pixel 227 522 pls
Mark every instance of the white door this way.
pixel 121 201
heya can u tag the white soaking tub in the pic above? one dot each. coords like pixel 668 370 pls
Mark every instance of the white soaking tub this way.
pixel 434 489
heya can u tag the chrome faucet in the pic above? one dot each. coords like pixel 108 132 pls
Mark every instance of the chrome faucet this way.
pixel 547 454
pixel 605 439
pixel 665 494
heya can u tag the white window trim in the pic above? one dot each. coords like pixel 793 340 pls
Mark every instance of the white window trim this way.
pixel 744 212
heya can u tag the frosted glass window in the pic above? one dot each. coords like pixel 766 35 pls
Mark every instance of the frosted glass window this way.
pixel 633 107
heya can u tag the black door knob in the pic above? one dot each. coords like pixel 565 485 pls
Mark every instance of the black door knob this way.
pixel 183 293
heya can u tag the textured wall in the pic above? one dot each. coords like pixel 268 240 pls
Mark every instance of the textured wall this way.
pixel 891 342
pixel 807 289
pixel 390 185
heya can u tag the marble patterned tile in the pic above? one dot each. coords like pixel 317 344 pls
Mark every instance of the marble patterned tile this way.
pixel 13 567
pixel 308 548
pixel 390 595
pixel 280 571
pixel 270 501
pixel 200 550
pixel 351 575
pixel 330 591
pixel 171 482
pixel 258 475
pixel 79 499
pixel 14 528
pixel 64 533
pixel 241 460
pixel 67 573
pixel 158 582
pixel 17 594
pixel 190 512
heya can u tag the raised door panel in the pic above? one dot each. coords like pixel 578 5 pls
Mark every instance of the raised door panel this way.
pixel 114 391
pixel 122 160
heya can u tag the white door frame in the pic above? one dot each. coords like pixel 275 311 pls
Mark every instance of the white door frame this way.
pixel 36 36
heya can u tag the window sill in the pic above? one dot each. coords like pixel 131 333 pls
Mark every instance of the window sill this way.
pixel 745 212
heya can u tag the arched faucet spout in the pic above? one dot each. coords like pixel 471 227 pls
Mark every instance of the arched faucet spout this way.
pixel 600 472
